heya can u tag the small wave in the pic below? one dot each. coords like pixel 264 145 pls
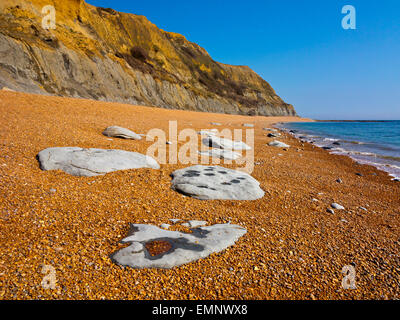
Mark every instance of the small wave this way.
pixel 360 153
pixel 394 166
pixel 355 142
pixel 390 158
pixel 381 155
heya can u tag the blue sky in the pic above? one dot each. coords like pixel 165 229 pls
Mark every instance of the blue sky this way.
pixel 299 47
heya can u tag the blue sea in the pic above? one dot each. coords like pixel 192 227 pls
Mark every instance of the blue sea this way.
pixel 373 143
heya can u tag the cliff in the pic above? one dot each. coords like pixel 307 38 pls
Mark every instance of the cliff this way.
pixel 106 55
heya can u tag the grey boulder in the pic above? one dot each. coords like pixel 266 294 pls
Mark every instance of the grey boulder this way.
pixel 174 248
pixel 273 135
pixel 221 143
pixel 278 144
pixel 118 132
pixel 216 183
pixel 92 162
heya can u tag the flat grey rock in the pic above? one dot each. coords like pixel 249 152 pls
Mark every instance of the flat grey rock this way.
pixel 248 125
pixel 278 144
pixel 174 220
pixel 178 248
pixel 337 206
pixel 269 129
pixel 92 162
pixel 221 154
pixel 221 143
pixel 216 183
pixel 165 226
pixel 118 132
pixel 216 124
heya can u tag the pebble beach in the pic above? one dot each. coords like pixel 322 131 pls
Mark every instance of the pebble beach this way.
pixel 297 239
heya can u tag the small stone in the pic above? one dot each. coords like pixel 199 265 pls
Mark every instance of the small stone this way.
pixel 359 174
pixel 53 190
pixel 337 206
pixel 330 211
pixel 165 226
pixel 118 132
pixel 339 181
pixel 212 132
pixel 273 135
pixel 364 209
pixel 278 144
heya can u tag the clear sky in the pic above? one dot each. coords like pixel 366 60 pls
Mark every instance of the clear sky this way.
pixel 298 46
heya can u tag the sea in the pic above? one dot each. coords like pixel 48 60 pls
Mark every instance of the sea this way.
pixel 374 143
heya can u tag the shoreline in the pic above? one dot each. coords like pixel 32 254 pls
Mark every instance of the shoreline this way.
pixel 294 248
pixel 372 121
pixel 327 144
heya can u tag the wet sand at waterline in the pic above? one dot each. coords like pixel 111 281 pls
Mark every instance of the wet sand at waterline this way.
pixel 294 248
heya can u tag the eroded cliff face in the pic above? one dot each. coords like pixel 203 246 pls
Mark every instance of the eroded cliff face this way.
pixel 111 56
